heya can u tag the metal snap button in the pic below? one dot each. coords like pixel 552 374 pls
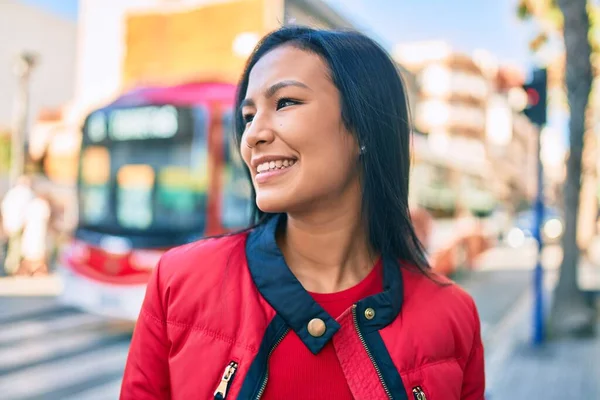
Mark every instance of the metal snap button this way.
pixel 369 313
pixel 316 327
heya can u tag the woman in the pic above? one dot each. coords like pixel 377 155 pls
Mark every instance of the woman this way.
pixel 329 296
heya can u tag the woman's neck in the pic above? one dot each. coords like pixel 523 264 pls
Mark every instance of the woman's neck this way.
pixel 329 251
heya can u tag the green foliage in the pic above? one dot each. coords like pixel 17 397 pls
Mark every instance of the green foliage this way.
pixel 548 12
pixel 524 10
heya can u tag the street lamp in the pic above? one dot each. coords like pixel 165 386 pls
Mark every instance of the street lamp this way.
pixel 22 69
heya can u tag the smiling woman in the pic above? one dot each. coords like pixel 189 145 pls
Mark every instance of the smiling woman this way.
pixel 328 294
pixel 292 112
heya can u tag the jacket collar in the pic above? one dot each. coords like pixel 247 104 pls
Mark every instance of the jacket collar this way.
pixel 285 294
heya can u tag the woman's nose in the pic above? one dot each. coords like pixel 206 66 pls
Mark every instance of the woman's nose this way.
pixel 259 132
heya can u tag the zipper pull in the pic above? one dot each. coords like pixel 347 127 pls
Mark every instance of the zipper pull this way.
pixel 418 393
pixel 221 391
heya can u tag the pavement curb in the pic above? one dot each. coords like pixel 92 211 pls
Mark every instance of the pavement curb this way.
pixel 504 338
pixel 50 285
pixel 513 330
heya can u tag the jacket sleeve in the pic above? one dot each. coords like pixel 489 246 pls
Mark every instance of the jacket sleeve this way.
pixel 146 374
pixel 473 387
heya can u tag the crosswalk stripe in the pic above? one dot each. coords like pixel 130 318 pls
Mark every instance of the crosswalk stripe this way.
pixel 66 377
pixel 48 349
pixel 22 309
pixel 32 328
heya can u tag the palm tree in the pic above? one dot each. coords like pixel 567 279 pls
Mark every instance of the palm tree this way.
pixel 570 313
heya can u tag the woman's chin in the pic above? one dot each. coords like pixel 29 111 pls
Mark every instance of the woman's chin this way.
pixel 270 207
pixel 272 203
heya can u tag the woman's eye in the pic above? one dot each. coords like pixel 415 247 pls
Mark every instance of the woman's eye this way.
pixel 286 103
pixel 248 118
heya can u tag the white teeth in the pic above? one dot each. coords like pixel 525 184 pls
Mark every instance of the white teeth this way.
pixel 272 165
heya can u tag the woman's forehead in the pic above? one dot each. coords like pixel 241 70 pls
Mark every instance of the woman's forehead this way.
pixel 287 63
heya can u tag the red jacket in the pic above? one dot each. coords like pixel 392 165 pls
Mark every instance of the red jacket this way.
pixel 215 310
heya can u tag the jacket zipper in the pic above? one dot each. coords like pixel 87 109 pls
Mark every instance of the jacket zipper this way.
pixel 266 378
pixel 362 340
pixel 221 392
pixel 418 393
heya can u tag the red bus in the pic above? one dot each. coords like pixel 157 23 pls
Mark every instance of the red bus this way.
pixel 157 169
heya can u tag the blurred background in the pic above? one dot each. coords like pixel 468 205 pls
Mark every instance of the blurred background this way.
pixel 115 124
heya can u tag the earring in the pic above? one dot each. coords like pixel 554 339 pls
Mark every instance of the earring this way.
pixel 363 149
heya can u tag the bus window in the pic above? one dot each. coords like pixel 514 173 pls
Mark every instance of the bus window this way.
pixel 95 177
pixel 182 187
pixel 181 195
pixel 169 161
pixel 236 205
pixel 134 196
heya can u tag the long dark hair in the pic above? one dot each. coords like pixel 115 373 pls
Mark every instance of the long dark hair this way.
pixel 374 108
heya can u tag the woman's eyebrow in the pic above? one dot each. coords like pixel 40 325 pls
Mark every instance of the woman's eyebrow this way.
pixel 270 92
pixel 273 89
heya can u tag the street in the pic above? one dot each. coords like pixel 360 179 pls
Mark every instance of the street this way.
pixel 51 352
pixel 55 353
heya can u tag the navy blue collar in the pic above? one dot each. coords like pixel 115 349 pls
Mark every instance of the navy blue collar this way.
pixel 278 285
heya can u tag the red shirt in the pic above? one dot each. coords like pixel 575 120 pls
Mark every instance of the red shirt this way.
pixel 296 373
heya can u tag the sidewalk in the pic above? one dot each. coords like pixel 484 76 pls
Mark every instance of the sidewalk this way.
pixel 558 369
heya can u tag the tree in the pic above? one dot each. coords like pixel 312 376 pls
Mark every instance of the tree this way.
pixel 570 314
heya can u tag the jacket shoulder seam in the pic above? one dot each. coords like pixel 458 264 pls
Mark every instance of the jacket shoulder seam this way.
pixel 204 331
pixel 211 333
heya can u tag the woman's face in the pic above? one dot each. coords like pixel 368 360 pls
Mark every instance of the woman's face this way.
pixel 299 153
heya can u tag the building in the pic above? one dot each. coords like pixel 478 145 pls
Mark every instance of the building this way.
pixel 52 39
pixel 473 147
pixel 451 169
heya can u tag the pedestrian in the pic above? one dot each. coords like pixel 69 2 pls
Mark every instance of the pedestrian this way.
pixel 36 236
pixel 14 209
pixel 328 295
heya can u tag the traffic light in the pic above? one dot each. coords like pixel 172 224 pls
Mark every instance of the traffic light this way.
pixel 537 96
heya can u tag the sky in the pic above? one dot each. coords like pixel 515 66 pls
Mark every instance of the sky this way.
pixel 465 24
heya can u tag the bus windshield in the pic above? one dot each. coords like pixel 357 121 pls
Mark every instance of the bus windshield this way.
pixel 144 169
